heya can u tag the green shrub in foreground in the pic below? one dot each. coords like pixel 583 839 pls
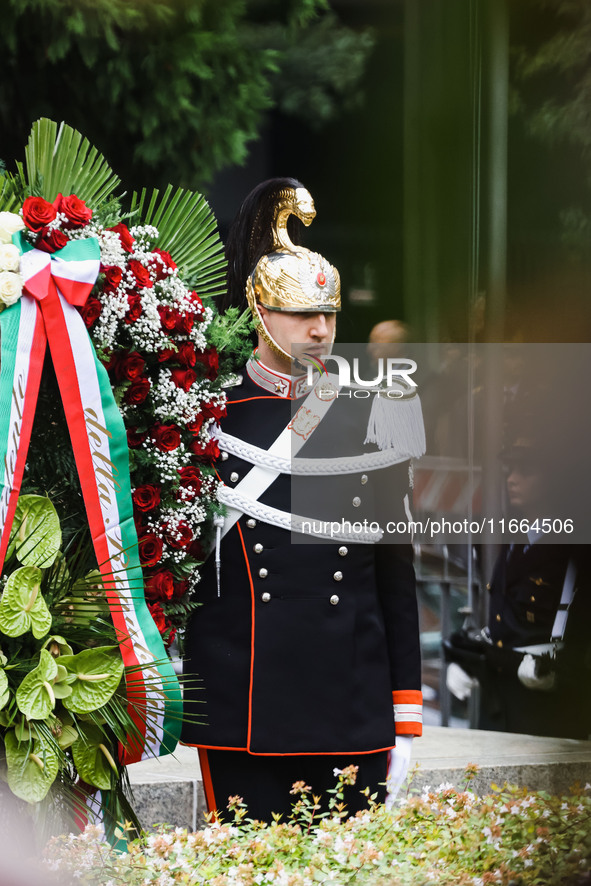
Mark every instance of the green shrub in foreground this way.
pixel 441 836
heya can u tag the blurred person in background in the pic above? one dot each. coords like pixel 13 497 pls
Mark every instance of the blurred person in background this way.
pixel 533 659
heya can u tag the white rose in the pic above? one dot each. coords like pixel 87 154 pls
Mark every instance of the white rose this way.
pixel 11 287
pixel 10 223
pixel 9 257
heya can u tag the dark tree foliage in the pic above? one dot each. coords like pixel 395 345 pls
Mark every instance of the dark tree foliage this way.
pixel 552 93
pixel 171 90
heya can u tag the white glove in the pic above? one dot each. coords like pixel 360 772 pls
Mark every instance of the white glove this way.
pixel 399 763
pixel 527 673
pixel 459 682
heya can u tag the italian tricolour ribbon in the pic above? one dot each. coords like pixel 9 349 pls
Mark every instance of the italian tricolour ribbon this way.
pixel 46 313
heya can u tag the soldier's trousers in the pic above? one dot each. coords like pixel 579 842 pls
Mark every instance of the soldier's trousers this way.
pixel 265 782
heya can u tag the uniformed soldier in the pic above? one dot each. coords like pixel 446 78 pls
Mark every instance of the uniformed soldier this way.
pixel 308 653
pixel 532 660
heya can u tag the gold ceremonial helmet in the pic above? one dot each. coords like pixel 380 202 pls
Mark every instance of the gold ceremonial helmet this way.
pixel 292 278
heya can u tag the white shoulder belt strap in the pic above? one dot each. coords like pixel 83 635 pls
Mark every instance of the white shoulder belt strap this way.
pixel 368 461
pixel 559 626
pixel 288 443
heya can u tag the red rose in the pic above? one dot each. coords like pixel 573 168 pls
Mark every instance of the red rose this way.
pixel 195 426
pixel 162 264
pixel 183 378
pixel 205 452
pixel 141 274
pixel 190 476
pixel 137 391
pixel 51 241
pixel 167 438
pixel 158 616
pixel 168 317
pixel 37 213
pixel 90 311
pixel 187 355
pixel 213 361
pixel 125 237
pixel 159 586
pixel 210 360
pixel 181 588
pixel 184 323
pixel 178 536
pixel 165 354
pixel 135 308
pixel 191 479
pixel 75 210
pixel 129 366
pixel 108 359
pixel 214 410
pixel 146 497
pixel 150 549
pixel 169 640
pixel 196 551
pixel 113 276
pixel 135 438
pixel 197 304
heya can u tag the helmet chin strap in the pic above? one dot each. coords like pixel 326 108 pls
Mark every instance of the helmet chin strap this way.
pixel 264 332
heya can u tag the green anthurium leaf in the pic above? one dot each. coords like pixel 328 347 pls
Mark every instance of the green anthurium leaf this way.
pixel 97 674
pixel 36 536
pixel 58 646
pixel 4 691
pixel 23 729
pixel 35 696
pixel 61 687
pixel 93 757
pixel 3 659
pixel 67 737
pixel 22 607
pixel 31 770
pixel 63 729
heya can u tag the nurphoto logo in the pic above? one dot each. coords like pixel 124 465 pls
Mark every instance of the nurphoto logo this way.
pixel 393 377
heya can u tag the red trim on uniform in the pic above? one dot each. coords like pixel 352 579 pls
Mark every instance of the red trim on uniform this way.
pixel 407 696
pixel 318 753
pixel 215 747
pixel 207 782
pixel 409 728
pixel 262 397
pixel 210 747
pixel 259 374
pixel 248 733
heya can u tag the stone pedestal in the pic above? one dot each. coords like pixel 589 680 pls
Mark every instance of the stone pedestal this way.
pixel 170 790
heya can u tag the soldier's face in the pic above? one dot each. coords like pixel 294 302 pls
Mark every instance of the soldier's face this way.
pixel 299 332
pixel 524 487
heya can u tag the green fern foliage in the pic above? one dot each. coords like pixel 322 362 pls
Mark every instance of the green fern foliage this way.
pixel 62 161
pixel 188 230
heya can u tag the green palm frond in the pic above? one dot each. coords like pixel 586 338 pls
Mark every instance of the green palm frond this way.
pixel 62 161
pixel 12 189
pixel 188 230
